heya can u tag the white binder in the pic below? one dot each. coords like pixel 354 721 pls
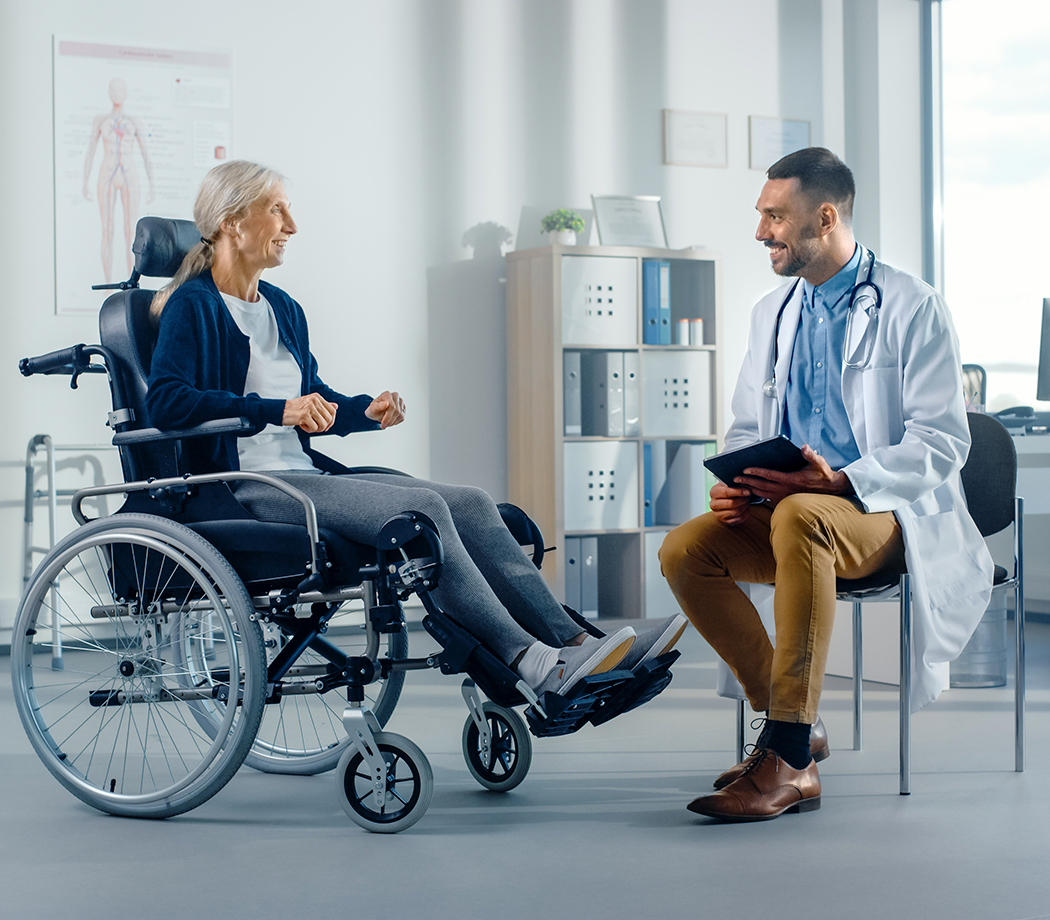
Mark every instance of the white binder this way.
pixel 571 394
pixel 603 395
pixel 632 395
pixel 684 495
pixel 589 577
pixel 573 569
pixel 659 601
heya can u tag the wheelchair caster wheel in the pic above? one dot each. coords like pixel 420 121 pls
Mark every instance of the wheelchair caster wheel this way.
pixel 505 764
pixel 303 733
pixel 409 785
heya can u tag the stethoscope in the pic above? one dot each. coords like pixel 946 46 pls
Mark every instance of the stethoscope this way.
pixel 769 388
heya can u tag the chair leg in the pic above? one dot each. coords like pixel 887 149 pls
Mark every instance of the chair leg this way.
pixel 1019 647
pixel 740 731
pixel 1019 685
pixel 905 687
pixel 858 678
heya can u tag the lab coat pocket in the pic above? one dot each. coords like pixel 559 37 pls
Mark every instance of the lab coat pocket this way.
pixel 883 407
pixel 942 537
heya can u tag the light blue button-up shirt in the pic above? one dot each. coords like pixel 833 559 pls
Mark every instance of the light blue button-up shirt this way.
pixel 814 412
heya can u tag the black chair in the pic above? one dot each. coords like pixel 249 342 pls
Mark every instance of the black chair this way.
pixel 989 480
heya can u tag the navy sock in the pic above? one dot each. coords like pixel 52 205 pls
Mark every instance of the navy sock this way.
pixel 791 741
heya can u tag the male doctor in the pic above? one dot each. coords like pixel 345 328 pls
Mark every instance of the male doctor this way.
pixel 877 402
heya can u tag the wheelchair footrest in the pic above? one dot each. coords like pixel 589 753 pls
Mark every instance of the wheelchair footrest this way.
pixel 567 714
pixel 649 680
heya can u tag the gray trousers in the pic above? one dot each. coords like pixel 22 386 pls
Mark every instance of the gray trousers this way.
pixel 488 584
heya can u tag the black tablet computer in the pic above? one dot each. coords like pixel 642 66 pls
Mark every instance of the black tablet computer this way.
pixel 777 453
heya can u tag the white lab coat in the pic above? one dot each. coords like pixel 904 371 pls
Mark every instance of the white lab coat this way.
pixel 907 413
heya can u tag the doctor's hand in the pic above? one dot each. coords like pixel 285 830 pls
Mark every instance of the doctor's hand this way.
pixel 310 412
pixel 387 408
pixel 729 505
pixel 816 476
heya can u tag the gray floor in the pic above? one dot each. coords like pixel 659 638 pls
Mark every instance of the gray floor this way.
pixel 597 830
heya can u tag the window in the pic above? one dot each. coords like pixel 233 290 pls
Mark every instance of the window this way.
pixel 997 187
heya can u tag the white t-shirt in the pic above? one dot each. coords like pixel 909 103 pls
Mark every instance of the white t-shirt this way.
pixel 272 374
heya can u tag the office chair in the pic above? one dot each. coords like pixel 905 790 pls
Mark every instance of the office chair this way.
pixel 989 480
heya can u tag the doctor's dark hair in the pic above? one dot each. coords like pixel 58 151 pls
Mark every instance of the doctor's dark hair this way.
pixel 227 192
pixel 821 175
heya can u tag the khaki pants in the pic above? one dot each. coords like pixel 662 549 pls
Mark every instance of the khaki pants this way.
pixel 800 546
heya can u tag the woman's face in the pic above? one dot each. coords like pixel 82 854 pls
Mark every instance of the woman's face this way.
pixel 261 236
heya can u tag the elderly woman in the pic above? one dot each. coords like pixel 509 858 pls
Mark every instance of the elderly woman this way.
pixel 230 345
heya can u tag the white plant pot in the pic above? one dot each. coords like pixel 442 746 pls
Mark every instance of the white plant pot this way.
pixel 565 237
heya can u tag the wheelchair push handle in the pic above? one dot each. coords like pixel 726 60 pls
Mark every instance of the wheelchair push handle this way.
pixel 73 362
pixel 63 361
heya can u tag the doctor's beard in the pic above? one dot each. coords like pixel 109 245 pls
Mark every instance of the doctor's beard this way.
pixel 801 254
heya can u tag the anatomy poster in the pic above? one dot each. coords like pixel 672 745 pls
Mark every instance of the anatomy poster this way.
pixel 136 128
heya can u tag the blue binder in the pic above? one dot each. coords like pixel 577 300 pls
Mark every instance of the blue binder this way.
pixel 656 302
pixel 665 303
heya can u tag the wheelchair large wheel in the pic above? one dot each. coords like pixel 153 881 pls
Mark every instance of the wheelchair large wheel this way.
pixel 119 725
pixel 505 764
pixel 409 786
pixel 303 733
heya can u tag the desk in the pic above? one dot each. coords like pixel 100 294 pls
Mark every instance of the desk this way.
pixel 1033 485
pixel 1033 473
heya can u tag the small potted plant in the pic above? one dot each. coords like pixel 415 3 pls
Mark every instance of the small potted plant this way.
pixel 487 240
pixel 562 226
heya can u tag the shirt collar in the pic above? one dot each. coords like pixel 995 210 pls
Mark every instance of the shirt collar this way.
pixel 832 290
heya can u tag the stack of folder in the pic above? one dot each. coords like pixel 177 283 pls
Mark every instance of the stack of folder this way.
pixel 601 394
pixel 677 491
pixel 656 302
pixel 581 575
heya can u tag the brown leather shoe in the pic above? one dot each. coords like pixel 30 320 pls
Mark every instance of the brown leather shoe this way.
pixel 769 787
pixel 818 750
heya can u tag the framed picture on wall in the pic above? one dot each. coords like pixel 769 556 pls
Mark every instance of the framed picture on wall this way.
pixel 694 138
pixel 773 138
pixel 629 220
pixel 136 128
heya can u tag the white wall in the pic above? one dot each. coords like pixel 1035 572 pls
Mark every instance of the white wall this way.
pixel 881 79
pixel 400 125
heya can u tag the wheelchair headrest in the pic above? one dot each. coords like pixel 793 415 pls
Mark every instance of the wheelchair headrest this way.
pixel 161 243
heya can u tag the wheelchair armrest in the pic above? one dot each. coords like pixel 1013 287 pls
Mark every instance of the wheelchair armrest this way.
pixel 215 426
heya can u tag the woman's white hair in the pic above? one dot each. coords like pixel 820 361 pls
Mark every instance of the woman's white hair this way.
pixel 226 194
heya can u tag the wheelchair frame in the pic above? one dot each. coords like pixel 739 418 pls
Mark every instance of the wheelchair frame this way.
pixel 187 644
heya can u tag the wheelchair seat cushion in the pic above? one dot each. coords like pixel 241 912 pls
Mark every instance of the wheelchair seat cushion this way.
pixel 268 554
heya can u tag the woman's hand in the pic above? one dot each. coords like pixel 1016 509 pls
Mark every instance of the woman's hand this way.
pixel 311 413
pixel 387 408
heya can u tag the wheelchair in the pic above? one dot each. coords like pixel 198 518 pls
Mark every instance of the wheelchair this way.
pixel 197 638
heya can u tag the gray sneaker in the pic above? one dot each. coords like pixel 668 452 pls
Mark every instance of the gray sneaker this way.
pixel 654 642
pixel 594 656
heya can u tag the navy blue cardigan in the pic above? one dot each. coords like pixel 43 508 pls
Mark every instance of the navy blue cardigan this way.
pixel 200 365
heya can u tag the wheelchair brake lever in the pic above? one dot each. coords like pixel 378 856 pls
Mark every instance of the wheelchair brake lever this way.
pixel 411 573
